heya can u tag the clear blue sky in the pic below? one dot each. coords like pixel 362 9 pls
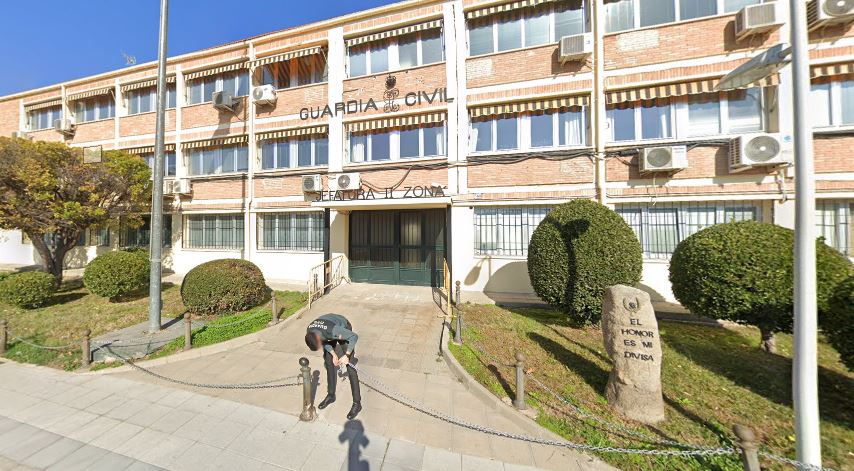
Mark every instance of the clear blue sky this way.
pixel 43 42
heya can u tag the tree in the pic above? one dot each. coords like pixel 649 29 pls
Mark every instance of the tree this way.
pixel 45 188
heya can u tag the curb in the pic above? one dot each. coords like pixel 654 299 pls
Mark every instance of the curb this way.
pixel 203 351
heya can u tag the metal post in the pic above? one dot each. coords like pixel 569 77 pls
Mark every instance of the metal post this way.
pixel 804 357
pixel 85 349
pixel 520 382
pixel 156 248
pixel 458 330
pixel 188 331
pixel 309 413
pixel 4 335
pixel 749 447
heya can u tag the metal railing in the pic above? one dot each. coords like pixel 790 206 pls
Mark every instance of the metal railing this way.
pixel 324 277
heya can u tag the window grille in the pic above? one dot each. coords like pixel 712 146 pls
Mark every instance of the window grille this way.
pixel 301 231
pixel 141 236
pixel 506 230
pixel 833 222
pixel 215 231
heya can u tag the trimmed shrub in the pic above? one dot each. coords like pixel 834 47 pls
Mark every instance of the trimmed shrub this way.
pixel 222 286
pixel 838 322
pixel 113 274
pixel 28 290
pixel 579 249
pixel 743 272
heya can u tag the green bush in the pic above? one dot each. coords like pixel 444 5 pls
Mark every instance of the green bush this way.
pixel 28 290
pixel 113 274
pixel 837 322
pixel 222 286
pixel 579 249
pixel 743 272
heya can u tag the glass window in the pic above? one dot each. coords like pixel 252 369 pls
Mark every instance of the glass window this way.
pixel 379 59
pixel 820 104
pixel 542 127
pixel 358 147
pixel 697 8
pixel 507 135
pixel 847 101
pixel 745 110
pixel 358 61
pixel 140 235
pixel 434 140
pixel 571 128
pixel 537 27
pixel 655 121
pixel 380 146
pixel 735 5
pixel 833 221
pixel 225 159
pixel 169 161
pixel 409 142
pixel 407 50
pixel 704 115
pixel 482 135
pixel 621 122
pixel 509 33
pixel 301 231
pixel 304 152
pixel 569 19
pixel 321 151
pixel 214 231
pixel 656 12
pixel 619 15
pixel 431 47
pixel 283 154
pixel 43 118
pixel 195 94
pixel 506 230
pixel 208 87
pixel 93 109
pixel 480 39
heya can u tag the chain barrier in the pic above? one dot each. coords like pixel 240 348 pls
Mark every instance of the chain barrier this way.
pixel 795 463
pixel 149 340
pixel 45 347
pixel 269 384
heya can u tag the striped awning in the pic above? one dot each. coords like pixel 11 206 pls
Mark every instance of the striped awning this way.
pixel 676 89
pixel 223 141
pixel 89 93
pixel 292 132
pixel 147 149
pixel 144 84
pixel 216 70
pixel 522 107
pixel 41 105
pixel 495 9
pixel 396 122
pixel 831 69
pixel 395 32
pixel 285 56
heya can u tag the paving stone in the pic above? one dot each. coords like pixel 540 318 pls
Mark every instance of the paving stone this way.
pixel 173 421
pixel 80 459
pixel 323 459
pixel 93 429
pixel 405 453
pixel 166 453
pixel 436 459
pixel 476 463
pixel 116 436
pixel 53 453
pixel 111 462
pixel 23 449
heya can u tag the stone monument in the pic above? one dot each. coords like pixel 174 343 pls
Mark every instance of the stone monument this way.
pixel 631 340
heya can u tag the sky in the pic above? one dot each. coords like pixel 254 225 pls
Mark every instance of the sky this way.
pixel 43 42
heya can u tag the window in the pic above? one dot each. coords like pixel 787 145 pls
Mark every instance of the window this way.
pixel 214 231
pixel 145 100
pixel 620 14
pixel 306 70
pixel 169 162
pixel 401 52
pixel 660 227
pixel 94 109
pixel 99 236
pixel 745 110
pixel 302 231
pixel 553 128
pixel 220 159
pixel 43 118
pixel 537 130
pixel 140 236
pixel 656 12
pixel 506 230
pixel 650 120
pixel 832 103
pixel 306 151
pixel 201 90
pixel 497 133
pixel 731 6
pixel 426 140
pixel 833 222
pixel 704 115
pixel 525 28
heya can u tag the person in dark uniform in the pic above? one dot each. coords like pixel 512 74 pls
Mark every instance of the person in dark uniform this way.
pixel 334 333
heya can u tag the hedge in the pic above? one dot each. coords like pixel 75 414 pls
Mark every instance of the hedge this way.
pixel 116 273
pixel 578 250
pixel 223 286
pixel 28 290
pixel 837 322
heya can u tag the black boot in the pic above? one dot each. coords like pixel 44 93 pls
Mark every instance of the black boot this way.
pixel 354 411
pixel 329 399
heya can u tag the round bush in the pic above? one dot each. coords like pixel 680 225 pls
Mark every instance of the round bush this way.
pixel 837 322
pixel 28 290
pixel 113 274
pixel 222 286
pixel 743 272
pixel 579 249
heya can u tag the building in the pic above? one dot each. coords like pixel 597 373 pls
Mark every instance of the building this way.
pixel 451 127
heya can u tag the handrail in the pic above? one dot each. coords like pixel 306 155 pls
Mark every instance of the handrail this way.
pixel 331 272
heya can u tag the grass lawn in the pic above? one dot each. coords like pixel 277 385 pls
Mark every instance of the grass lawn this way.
pixel 712 379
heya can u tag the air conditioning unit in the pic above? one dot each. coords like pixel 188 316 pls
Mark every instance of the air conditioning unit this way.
pixel 759 149
pixel 575 47
pixel 264 95
pixel 168 187
pixel 311 184
pixel 65 126
pixel 181 186
pixel 345 181
pixel 821 13
pixel 224 101
pixel 756 19
pixel 663 159
pixel 21 135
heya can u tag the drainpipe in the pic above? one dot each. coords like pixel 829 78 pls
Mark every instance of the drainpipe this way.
pixel 249 222
pixel 597 110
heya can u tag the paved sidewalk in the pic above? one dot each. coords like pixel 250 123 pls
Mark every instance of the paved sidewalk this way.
pixel 399 330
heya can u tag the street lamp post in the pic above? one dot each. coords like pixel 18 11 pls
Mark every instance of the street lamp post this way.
pixel 156 239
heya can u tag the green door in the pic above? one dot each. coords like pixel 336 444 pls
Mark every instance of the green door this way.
pixel 398 247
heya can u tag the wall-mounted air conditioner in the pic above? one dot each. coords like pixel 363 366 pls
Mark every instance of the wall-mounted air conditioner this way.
pixel 311 184
pixel 663 159
pixel 264 95
pixel 181 186
pixel 65 126
pixel 344 181
pixel 168 187
pixel 759 149
pixel 224 101
pixel 575 47
pixel 821 13
pixel 757 19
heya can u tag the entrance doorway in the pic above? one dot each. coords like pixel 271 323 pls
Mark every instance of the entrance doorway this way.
pixel 399 247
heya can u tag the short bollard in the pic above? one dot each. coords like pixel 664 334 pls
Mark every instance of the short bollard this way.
pixel 749 447
pixel 85 349
pixel 458 330
pixel 188 331
pixel 520 382
pixel 274 309
pixel 309 413
pixel 4 336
